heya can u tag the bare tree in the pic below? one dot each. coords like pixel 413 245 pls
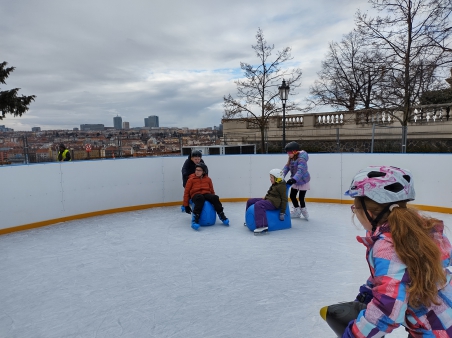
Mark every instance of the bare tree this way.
pixel 351 77
pixel 414 35
pixel 257 93
pixel 10 102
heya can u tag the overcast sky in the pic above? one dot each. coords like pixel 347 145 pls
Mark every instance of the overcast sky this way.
pixel 88 61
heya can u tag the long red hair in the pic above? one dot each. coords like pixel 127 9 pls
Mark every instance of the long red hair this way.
pixel 414 244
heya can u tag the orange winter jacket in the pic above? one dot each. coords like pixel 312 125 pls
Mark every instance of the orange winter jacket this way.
pixel 197 185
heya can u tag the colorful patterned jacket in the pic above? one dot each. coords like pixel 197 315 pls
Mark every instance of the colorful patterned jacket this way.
pixel 389 280
pixel 298 167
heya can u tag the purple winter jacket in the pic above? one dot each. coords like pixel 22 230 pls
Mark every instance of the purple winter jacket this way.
pixel 298 167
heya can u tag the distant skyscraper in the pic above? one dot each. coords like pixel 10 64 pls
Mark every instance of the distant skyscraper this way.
pixel 36 129
pixel 88 127
pixel 125 125
pixel 3 128
pixel 153 121
pixel 146 121
pixel 117 122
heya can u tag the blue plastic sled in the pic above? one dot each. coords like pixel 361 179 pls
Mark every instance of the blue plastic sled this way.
pixel 272 218
pixel 208 215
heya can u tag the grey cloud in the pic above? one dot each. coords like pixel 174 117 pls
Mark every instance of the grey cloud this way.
pixel 89 60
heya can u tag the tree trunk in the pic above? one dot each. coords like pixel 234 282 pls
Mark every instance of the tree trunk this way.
pixel 262 128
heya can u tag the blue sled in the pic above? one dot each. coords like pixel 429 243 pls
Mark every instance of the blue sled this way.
pixel 208 215
pixel 272 218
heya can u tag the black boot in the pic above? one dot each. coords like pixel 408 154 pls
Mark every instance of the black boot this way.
pixel 195 222
pixel 223 218
pixel 196 218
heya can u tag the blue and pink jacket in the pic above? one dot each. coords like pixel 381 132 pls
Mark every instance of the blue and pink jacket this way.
pixel 389 280
pixel 298 167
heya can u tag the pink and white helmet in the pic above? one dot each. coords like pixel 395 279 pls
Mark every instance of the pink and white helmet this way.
pixel 383 184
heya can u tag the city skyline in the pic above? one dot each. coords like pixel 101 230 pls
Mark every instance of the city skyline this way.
pixel 85 68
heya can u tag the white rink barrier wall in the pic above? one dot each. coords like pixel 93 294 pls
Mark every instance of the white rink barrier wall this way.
pixel 42 194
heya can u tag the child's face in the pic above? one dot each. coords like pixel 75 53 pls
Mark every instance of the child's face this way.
pixel 196 159
pixel 272 179
pixel 291 154
pixel 360 215
pixel 199 172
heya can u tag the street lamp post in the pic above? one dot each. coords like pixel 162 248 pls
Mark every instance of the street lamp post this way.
pixel 284 94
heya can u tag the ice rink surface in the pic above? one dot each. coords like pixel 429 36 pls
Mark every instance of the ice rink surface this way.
pixel 148 274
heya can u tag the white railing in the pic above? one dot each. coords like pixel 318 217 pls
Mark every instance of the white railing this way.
pixel 431 115
pixel 330 119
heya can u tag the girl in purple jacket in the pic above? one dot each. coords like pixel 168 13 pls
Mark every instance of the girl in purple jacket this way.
pixel 297 164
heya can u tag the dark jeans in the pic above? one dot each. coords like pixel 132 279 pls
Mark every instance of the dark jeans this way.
pixel 301 195
pixel 199 200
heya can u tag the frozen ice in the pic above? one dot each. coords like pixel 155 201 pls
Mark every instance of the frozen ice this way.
pixel 149 274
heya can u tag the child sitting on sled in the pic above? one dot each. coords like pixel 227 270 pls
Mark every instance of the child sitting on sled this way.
pixel 276 198
pixel 199 188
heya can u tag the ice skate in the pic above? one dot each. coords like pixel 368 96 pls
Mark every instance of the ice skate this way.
pixel 295 213
pixel 304 213
pixel 223 218
pixel 195 222
pixel 261 231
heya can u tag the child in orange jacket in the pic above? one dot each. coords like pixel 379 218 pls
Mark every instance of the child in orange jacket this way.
pixel 199 188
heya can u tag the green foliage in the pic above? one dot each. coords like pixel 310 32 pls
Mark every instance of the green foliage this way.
pixel 10 101
pixel 436 96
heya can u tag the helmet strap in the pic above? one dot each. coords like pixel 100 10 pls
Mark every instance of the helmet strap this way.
pixel 374 221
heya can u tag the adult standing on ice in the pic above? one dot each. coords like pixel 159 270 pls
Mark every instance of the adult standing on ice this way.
pixel 297 165
pixel 190 165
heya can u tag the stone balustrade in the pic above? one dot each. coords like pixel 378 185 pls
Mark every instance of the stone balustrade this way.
pixel 426 122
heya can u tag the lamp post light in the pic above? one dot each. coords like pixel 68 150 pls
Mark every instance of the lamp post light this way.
pixel 284 94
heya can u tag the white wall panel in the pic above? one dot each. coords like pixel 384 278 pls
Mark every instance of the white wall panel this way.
pixel 30 194
pixel 40 192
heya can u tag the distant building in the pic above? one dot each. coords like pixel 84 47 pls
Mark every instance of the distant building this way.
pixel 3 128
pixel 36 129
pixel 117 122
pixel 146 122
pixel 153 121
pixel 75 129
pixel 125 125
pixel 88 127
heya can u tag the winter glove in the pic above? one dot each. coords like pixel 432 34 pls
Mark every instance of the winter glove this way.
pixel 291 181
pixel 281 217
pixel 365 295
pixel 188 209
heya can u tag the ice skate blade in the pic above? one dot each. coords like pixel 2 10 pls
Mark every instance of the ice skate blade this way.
pixel 265 232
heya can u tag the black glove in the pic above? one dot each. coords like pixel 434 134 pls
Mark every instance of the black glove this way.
pixel 281 217
pixel 291 181
pixel 365 295
pixel 187 209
